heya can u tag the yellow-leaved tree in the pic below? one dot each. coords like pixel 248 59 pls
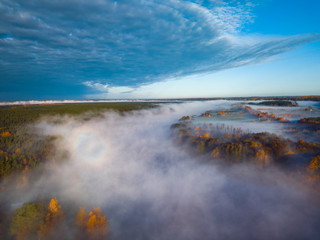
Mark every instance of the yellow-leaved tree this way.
pixel 94 223
pixel 313 170
pixel 97 225
pixel 54 216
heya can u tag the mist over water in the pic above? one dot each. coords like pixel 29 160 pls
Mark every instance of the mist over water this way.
pixel 150 188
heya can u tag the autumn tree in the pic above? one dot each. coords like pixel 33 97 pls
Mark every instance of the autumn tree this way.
pixel 313 171
pixel 54 216
pixel 82 218
pixel 314 165
pixel 97 225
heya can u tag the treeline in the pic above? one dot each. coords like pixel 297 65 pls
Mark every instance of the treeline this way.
pixel 280 103
pixel 312 120
pixel 295 98
pixel 43 220
pixel 22 149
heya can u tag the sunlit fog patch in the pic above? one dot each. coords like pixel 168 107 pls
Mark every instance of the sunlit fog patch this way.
pixel 88 146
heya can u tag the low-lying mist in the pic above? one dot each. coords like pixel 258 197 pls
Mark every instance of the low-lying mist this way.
pixel 149 188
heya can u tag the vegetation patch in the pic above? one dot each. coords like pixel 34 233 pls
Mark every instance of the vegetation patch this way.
pixel 276 103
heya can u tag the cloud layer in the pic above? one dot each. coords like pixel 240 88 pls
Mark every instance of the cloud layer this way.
pixel 126 43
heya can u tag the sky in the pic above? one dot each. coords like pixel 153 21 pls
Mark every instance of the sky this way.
pixel 107 49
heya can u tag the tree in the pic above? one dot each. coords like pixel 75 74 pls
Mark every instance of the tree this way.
pixel 313 170
pixel 54 215
pixel 27 220
pixel 314 165
pixel 97 225
pixel 82 218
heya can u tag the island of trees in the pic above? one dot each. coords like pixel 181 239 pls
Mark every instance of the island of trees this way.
pixel 227 145
pixel 279 103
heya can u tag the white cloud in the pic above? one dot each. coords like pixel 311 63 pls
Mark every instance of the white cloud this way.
pixel 97 86
pixel 107 90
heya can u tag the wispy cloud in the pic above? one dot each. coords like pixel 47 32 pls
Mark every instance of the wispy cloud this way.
pixel 96 85
pixel 128 43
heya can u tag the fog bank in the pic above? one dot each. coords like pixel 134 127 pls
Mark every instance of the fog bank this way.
pixel 150 188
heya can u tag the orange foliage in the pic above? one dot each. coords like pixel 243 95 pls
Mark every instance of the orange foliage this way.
pixel 215 153
pixel 262 157
pixel 236 136
pixel 54 208
pixel 314 164
pixel 228 135
pixel 207 135
pixel 305 120
pixel 22 234
pixel 255 145
pixel 54 215
pixel 290 153
pixel 94 223
pixel 5 134
pixel 18 150
pixel 197 128
pixel 97 225
pixel 313 176
pixel 81 218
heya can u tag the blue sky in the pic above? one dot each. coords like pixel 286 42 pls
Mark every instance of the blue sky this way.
pixel 75 49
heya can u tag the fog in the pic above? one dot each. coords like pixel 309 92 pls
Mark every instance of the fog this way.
pixel 149 187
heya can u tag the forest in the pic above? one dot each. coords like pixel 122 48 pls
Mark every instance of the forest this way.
pixel 21 149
